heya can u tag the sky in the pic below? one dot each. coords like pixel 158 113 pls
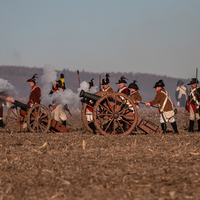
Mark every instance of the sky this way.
pixel 145 36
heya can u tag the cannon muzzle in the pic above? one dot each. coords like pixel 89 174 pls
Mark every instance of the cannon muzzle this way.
pixel 88 95
pixel 21 105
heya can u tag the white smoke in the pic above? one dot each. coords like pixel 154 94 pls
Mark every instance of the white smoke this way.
pixel 7 89
pixel 64 97
pixel 47 79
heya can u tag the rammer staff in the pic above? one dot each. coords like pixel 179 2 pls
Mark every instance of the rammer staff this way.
pixel 79 81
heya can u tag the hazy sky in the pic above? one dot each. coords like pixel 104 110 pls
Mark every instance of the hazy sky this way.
pixel 148 36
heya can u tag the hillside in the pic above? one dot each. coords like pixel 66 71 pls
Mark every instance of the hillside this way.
pixel 18 75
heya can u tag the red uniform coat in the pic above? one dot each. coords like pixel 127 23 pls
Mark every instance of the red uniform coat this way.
pixel 160 98
pixel 35 95
pixel 124 90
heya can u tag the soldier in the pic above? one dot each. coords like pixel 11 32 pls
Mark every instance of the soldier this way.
pixel 56 108
pixel 89 110
pixel 122 86
pixel 135 96
pixel 35 94
pixel 181 94
pixel 106 87
pixel 192 104
pixel 58 85
pixel 166 106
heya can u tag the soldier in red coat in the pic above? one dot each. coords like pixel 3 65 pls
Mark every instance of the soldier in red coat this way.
pixel 122 87
pixel 106 87
pixel 192 104
pixel 166 106
pixel 35 93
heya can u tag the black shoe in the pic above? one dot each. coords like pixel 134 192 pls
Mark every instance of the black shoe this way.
pixel 174 126
pixel 64 123
pixel 191 126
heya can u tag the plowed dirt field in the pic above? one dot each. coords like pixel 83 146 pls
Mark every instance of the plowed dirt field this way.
pixel 80 165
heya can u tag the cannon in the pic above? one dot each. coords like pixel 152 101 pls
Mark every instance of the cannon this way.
pixel 36 118
pixel 113 114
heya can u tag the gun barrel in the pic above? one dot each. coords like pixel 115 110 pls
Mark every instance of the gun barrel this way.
pixel 90 96
pixel 21 105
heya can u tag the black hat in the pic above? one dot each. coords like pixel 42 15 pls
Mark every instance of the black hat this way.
pixel 193 81
pixel 122 80
pixel 133 85
pixel 179 82
pixel 33 79
pixel 159 84
pixel 106 80
pixel 91 83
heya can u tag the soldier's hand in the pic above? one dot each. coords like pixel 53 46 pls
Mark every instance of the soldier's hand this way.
pixel 147 104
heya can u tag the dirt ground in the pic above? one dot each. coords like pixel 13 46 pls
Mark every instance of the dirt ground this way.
pixel 79 165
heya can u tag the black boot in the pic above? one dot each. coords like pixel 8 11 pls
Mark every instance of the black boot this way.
pixel 198 121
pixel 191 126
pixel 1 123
pixel 64 123
pixel 163 126
pixel 174 126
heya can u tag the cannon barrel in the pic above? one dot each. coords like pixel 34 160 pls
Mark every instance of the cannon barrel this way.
pixel 88 95
pixel 21 105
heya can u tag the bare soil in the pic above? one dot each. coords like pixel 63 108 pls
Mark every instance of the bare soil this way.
pixel 80 165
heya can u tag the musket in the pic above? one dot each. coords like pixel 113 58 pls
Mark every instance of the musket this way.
pixel 99 82
pixel 151 106
pixel 79 81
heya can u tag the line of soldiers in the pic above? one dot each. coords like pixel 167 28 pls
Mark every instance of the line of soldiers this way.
pixel 166 107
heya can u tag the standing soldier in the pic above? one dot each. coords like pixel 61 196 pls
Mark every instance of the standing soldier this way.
pixel 192 104
pixel 122 86
pixel 166 106
pixel 135 95
pixel 106 87
pixel 181 94
pixel 35 94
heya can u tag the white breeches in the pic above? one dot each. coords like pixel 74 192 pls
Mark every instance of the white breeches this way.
pixel 59 113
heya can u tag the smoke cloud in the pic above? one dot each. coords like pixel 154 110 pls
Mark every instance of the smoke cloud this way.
pixel 6 90
pixel 67 96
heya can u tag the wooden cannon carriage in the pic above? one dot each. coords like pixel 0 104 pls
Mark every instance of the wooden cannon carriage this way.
pixel 113 114
pixel 37 119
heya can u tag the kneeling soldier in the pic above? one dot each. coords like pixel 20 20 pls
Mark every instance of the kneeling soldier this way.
pixel 192 104
pixel 166 106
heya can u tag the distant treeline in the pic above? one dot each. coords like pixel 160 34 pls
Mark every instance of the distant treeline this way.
pixel 18 75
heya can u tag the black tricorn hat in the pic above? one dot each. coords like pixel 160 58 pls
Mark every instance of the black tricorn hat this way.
pixel 106 80
pixel 193 81
pixel 91 83
pixel 33 79
pixel 160 83
pixel 122 80
pixel 133 85
pixel 179 82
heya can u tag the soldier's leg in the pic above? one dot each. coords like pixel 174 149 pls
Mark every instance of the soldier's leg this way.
pixel 63 116
pixel 198 120
pixel 192 118
pixel 163 123
pixel 173 124
pixel 1 116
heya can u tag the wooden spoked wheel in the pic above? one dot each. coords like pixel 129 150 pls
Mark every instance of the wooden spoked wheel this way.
pixel 115 114
pixel 87 114
pixel 38 119
pixel 15 120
